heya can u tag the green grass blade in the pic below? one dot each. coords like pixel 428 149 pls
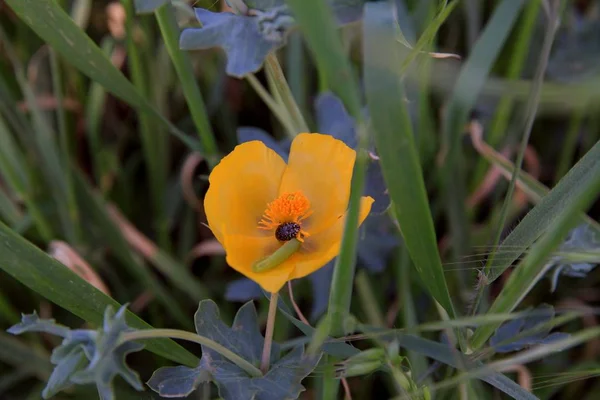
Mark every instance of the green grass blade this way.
pixel 557 227
pixel 548 210
pixel 396 147
pixel 44 141
pixel 64 148
pixel 569 145
pixel 94 110
pixel 15 173
pixel 519 53
pixel 428 35
pixel 318 26
pixel 54 26
pixel 60 285
pixel 181 61
pixel 474 72
pixel 179 274
pixel 95 208
pixel 469 85
pixel 319 29
pixel 530 114
pixel 152 144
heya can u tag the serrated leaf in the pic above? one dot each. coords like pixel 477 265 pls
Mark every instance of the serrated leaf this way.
pixel 282 381
pixel 60 379
pixel 247 134
pixel 243 338
pixel 177 381
pixel 239 36
pixel 33 323
pixel 147 6
pixel 102 349
pixel 513 336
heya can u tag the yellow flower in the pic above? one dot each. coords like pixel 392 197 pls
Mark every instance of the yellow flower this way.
pixel 256 204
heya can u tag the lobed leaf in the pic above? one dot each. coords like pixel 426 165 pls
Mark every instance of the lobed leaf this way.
pixel 582 238
pixel 100 349
pixel 246 40
pixel 526 331
pixel 282 381
pixel 178 381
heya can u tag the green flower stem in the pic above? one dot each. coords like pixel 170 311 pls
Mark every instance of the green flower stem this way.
pixel 170 33
pixel 266 353
pixel 192 337
pixel 277 109
pixel 274 70
pixel 340 296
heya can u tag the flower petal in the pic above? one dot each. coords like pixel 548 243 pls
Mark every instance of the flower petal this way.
pixel 323 247
pixel 244 251
pixel 241 185
pixel 321 167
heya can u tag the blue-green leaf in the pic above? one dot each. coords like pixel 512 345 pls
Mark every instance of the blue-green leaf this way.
pixel 148 6
pixel 282 381
pixel 512 336
pixel 247 40
pixel 178 381
pixel 581 238
pixel 100 349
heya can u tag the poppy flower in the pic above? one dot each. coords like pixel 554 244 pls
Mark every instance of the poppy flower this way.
pixel 258 206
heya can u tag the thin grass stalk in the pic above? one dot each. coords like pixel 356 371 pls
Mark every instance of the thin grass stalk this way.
pixel 64 148
pixel 152 153
pixel 530 114
pixel 183 66
pixel 520 51
pixel 569 146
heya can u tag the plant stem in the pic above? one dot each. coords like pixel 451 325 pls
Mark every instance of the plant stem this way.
pixel 340 296
pixel 266 354
pixel 192 337
pixel 170 33
pixel 274 70
pixel 280 112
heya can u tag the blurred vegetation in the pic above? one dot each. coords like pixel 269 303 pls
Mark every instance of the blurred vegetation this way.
pixel 104 169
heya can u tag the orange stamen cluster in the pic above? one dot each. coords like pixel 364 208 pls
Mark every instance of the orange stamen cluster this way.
pixel 287 208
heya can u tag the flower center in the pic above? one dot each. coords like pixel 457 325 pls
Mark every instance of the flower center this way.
pixel 285 214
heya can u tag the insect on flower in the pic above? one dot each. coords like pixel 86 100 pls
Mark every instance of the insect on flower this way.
pixel 281 221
